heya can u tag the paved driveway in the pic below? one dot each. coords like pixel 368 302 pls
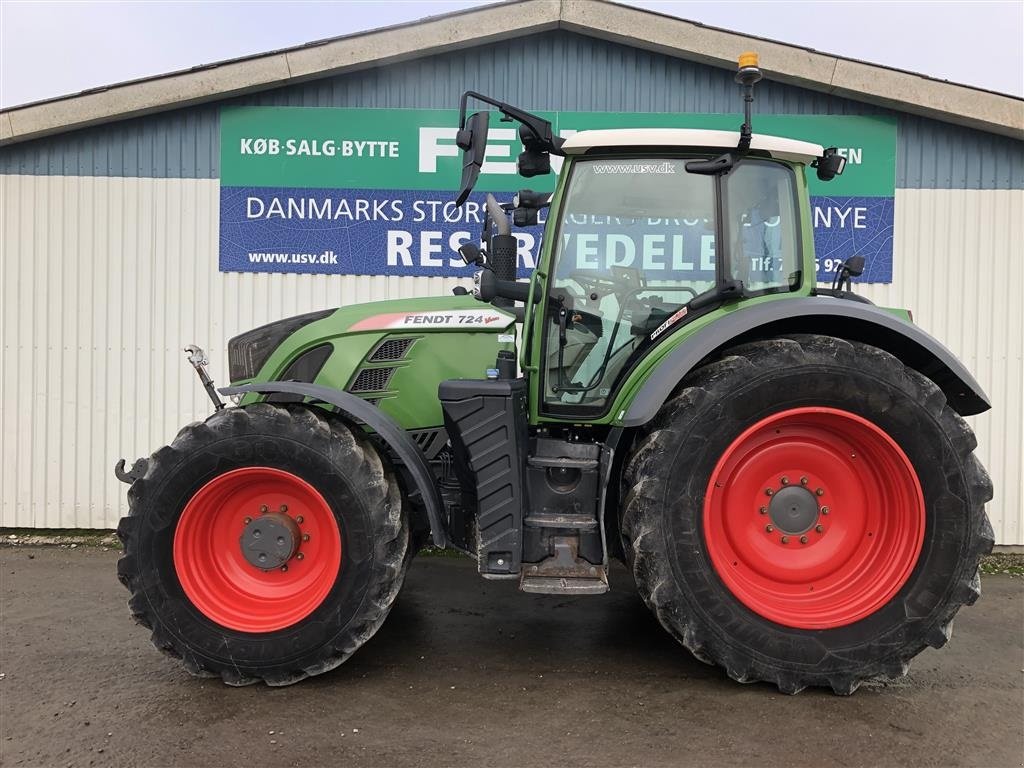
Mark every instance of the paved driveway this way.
pixel 475 673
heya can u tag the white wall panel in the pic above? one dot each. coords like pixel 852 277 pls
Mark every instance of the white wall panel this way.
pixel 958 269
pixel 104 280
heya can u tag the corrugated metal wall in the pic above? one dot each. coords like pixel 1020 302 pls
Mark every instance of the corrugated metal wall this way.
pixel 105 279
pixel 577 74
pixel 956 256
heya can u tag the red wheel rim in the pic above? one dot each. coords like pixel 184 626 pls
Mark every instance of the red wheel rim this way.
pixel 222 583
pixel 850 482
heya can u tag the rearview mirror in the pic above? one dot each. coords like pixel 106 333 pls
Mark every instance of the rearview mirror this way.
pixel 854 266
pixel 830 164
pixel 472 140
pixel 471 254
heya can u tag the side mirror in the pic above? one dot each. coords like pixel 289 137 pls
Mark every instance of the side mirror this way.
pixel 527 205
pixel 533 163
pixel 471 254
pixel 535 159
pixel 472 140
pixel 854 266
pixel 830 164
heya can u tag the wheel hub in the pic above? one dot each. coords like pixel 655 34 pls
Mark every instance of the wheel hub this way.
pixel 793 510
pixel 270 541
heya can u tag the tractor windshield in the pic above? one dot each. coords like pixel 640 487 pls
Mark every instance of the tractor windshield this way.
pixel 636 242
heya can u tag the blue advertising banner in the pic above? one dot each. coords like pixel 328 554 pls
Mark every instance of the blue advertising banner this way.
pixel 369 192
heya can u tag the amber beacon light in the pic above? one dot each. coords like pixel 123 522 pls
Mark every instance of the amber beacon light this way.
pixel 748 59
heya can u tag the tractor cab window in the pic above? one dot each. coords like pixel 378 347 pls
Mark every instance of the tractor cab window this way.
pixel 635 242
pixel 761 224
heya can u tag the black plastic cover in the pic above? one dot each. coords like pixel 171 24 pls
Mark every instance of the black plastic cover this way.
pixel 487 424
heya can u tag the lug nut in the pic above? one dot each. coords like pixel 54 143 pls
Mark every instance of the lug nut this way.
pixel 305 537
pixel 769 528
pixel 768 491
pixel 803 539
pixel 300 519
pixel 284 568
pixel 824 510
pixel 248 520
pixel 299 556
pixel 284 507
pixel 264 509
pixel 820 491
pixel 785 539
pixel 818 529
pixel 763 510
pixel 803 481
pixel 784 480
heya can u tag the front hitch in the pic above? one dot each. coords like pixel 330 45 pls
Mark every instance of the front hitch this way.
pixel 197 358
pixel 199 361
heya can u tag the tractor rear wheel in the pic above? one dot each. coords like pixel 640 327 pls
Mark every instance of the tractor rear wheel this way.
pixel 266 543
pixel 806 511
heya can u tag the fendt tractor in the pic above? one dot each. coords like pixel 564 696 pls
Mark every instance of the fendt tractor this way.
pixel 783 467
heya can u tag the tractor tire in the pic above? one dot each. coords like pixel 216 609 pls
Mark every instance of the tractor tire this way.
pixel 806 511
pixel 298 601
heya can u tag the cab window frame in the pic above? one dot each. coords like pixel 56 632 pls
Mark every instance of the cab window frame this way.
pixel 723 269
pixel 798 234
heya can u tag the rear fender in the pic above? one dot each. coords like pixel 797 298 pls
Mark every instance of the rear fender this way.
pixel 841 318
pixel 396 438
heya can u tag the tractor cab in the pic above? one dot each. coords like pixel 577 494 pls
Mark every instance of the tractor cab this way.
pixel 639 245
pixel 648 230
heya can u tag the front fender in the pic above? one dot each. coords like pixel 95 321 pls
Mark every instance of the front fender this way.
pixel 844 319
pixel 396 438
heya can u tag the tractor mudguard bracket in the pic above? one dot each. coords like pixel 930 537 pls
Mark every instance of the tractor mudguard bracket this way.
pixel 394 436
pixel 843 319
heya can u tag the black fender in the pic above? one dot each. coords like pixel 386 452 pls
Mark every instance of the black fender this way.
pixel 844 319
pixel 396 438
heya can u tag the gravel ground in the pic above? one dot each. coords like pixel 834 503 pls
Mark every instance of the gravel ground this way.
pixel 469 672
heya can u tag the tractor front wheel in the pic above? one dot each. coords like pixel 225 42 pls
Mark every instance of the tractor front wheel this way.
pixel 266 543
pixel 806 511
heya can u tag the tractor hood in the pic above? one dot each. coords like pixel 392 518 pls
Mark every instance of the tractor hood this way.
pixel 393 353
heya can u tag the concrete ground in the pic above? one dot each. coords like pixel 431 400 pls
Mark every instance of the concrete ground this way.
pixel 468 672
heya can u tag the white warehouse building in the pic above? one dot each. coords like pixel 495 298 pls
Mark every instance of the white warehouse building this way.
pixel 122 233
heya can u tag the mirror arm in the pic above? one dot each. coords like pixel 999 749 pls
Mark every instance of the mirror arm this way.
pixel 542 129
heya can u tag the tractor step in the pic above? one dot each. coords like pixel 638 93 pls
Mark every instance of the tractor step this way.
pixel 563 462
pixel 565 573
pixel 549 520
pixel 566 585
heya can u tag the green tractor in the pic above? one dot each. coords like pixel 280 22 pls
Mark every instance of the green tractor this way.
pixel 785 469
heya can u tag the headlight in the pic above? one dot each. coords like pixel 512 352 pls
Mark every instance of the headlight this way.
pixel 248 352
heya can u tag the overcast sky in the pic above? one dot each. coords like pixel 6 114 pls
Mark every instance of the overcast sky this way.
pixel 50 49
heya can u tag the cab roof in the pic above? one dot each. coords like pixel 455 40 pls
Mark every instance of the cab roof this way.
pixel 620 138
